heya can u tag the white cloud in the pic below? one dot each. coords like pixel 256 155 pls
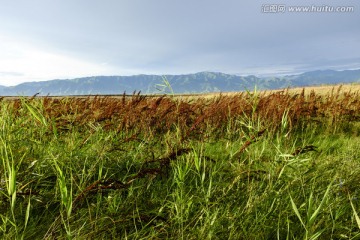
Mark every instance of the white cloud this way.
pixel 21 62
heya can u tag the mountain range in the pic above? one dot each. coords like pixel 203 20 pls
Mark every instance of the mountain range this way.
pixel 202 82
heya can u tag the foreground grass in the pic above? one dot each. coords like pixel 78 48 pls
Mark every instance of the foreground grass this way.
pixel 241 177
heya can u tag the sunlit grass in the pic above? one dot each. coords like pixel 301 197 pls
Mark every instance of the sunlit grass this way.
pixel 244 167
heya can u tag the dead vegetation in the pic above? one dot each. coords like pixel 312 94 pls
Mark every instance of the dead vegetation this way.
pixel 158 115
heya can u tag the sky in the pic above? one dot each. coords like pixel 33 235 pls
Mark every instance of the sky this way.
pixel 59 39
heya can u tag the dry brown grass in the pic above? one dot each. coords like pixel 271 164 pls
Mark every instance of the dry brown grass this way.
pixel 321 90
pixel 326 89
pixel 157 115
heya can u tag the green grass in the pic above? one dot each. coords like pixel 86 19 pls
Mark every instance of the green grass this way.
pixel 86 182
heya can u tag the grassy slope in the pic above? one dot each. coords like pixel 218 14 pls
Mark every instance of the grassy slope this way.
pixel 64 174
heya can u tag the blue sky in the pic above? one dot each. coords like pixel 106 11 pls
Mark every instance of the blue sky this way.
pixel 43 40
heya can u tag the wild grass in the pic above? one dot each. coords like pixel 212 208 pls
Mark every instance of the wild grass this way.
pixel 245 166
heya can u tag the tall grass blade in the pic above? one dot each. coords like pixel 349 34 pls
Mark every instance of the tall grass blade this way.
pixel 27 214
pixel 317 235
pixel 295 209
pixel 35 113
pixel 314 215
pixel 355 213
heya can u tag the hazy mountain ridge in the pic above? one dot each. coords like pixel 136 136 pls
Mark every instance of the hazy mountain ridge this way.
pixel 201 82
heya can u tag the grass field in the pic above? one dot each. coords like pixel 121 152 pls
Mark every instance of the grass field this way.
pixel 318 89
pixel 251 165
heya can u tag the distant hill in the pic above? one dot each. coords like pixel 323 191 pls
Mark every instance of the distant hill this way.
pixel 325 77
pixel 203 82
